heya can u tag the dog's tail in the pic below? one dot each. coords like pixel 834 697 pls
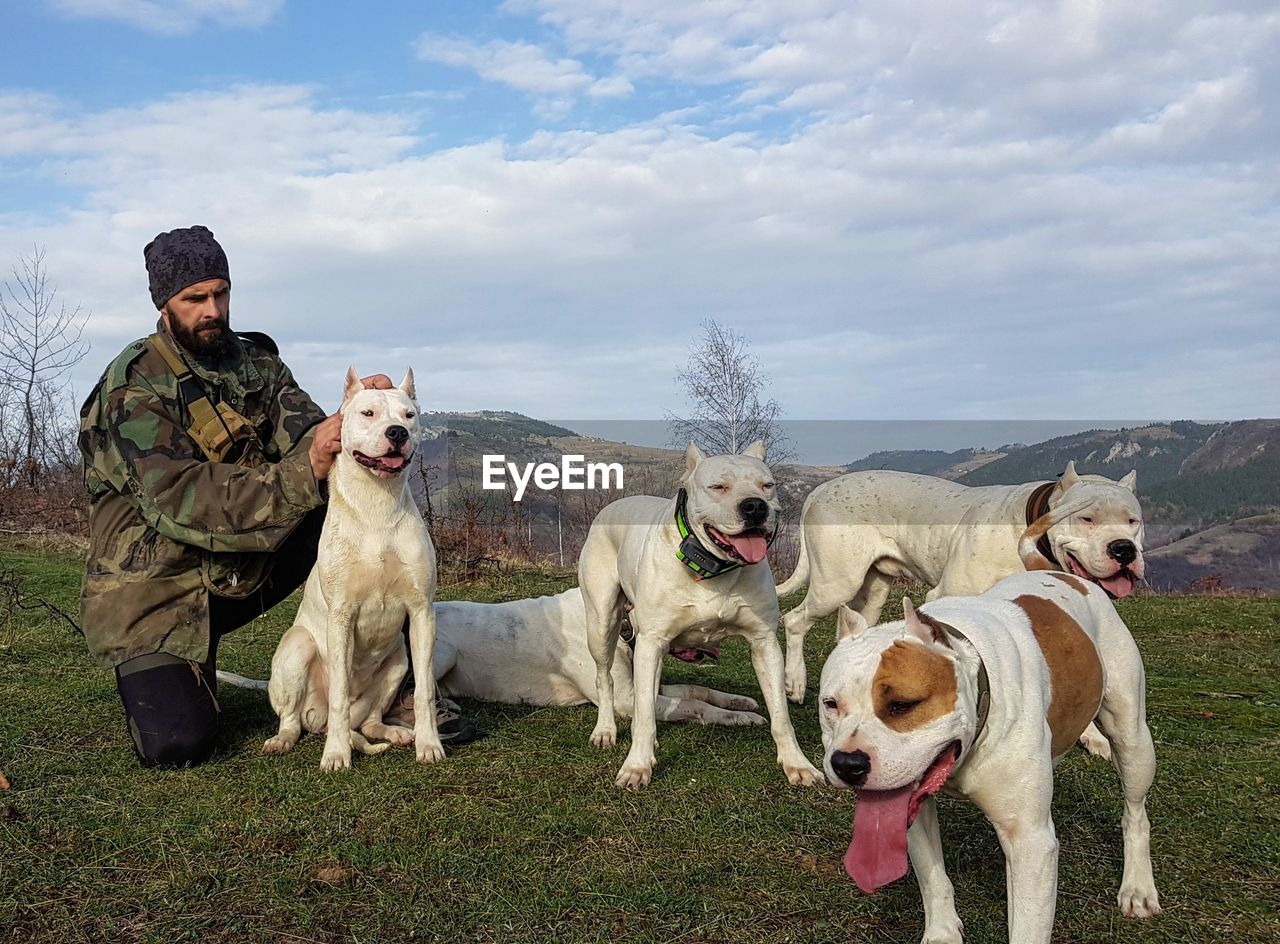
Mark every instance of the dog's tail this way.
pixel 800 576
pixel 239 681
pixel 361 744
pixel 1032 559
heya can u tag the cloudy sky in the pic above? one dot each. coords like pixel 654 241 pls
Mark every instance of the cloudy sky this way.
pixel 914 211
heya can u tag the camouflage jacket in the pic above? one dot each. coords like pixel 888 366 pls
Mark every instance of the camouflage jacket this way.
pixel 166 525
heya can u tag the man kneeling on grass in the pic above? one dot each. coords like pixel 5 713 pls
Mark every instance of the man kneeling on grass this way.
pixel 205 465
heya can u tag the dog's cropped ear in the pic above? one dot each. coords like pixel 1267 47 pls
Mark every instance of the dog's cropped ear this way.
pixel 928 631
pixel 1069 476
pixel 692 456
pixel 1130 481
pixel 354 385
pixel 406 385
pixel 756 450
pixel 850 624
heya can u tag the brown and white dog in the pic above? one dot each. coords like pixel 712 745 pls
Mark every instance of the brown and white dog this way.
pixel 860 531
pixel 981 696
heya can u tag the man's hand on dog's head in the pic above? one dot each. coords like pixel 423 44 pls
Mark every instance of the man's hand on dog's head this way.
pixel 328 442
pixel 326 446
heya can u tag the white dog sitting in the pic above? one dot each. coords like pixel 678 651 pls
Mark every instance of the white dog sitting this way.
pixel 860 531
pixel 981 696
pixel 535 652
pixel 692 568
pixel 338 667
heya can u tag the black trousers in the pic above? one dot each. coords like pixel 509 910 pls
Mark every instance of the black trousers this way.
pixel 170 704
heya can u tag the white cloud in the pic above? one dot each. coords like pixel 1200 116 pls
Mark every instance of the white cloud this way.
pixel 174 17
pixel 1053 209
pixel 521 66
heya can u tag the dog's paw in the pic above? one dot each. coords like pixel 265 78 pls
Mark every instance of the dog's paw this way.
pixel 747 718
pixel 397 736
pixel 604 738
pixel 740 703
pixel 1139 902
pixel 803 775
pixel 335 760
pixel 280 744
pixel 430 752
pixel 943 935
pixel 634 776
pixel 795 687
pixel 1095 743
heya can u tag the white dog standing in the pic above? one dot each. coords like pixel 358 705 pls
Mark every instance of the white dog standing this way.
pixel 982 695
pixel 338 667
pixel 860 531
pixel 693 571
pixel 535 652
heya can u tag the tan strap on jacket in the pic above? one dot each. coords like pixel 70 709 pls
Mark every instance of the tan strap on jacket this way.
pixel 216 428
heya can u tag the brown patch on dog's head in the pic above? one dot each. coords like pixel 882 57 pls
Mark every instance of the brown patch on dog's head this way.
pixel 1075 671
pixel 1072 581
pixel 913 685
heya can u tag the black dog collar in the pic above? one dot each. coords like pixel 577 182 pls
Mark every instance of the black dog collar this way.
pixel 1038 505
pixel 984 682
pixel 693 554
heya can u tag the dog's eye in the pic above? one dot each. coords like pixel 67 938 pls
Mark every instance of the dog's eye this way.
pixel 366 412
pixel 767 485
pixel 900 708
pixel 408 414
pixel 719 488
pixel 1086 519
pixel 830 704
pixel 1133 521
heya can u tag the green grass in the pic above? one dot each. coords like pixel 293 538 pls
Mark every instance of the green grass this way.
pixel 522 836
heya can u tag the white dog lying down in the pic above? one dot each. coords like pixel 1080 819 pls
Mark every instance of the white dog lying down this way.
pixel 981 696
pixel 535 652
pixel 860 531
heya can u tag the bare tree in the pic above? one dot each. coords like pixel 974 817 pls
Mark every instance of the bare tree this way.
pixel 724 382
pixel 41 339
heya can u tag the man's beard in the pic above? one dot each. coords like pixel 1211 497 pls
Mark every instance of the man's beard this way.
pixel 205 346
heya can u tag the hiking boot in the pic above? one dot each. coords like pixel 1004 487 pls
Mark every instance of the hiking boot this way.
pixel 452 725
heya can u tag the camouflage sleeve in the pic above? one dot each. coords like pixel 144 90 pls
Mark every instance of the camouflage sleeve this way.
pixel 293 413
pixel 217 506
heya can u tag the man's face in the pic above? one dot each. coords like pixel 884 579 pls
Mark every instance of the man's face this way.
pixel 199 317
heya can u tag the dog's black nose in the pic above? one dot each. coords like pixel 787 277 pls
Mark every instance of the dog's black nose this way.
pixel 398 435
pixel 1125 552
pixel 754 511
pixel 851 766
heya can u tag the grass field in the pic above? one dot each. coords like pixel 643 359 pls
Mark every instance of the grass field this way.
pixel 522 836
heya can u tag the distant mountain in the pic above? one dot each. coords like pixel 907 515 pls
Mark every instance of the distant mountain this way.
pixel 1156 451
pixel 947 465
pixel 1217 493
pixel 1234 445
pixel 1240 555
pixel 491 424
pixel 1194 480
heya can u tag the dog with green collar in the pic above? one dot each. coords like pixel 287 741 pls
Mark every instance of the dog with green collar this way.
pixel 688 571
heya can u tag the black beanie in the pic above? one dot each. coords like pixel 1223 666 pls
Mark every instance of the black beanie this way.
pixel 182 257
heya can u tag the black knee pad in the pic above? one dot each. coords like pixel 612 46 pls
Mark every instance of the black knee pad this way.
pixel 171 710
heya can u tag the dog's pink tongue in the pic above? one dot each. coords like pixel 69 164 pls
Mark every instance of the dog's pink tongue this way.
pixel 1121 585
pixel 751 547
pixel 393 462
pixel 878 853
